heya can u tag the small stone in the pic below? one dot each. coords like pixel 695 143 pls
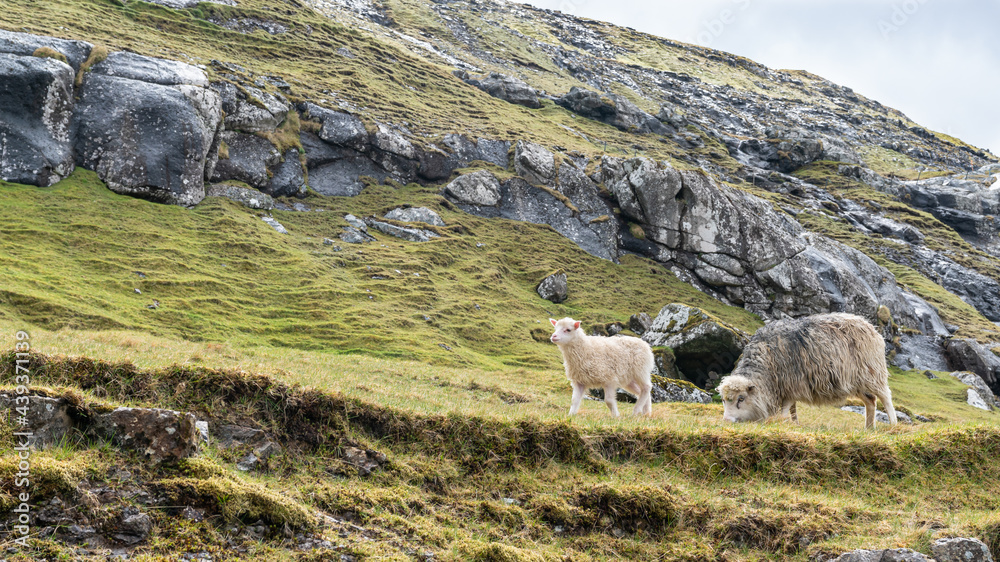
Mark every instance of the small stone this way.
pixel 554 288
pixel 137 291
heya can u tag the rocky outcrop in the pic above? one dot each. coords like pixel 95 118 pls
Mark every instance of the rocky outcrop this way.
pixel 479 188
pixel 249 109
pixel 415 214
pixel 612 109
pixel 35 109
pixel 25 45
pixel 969 355
pixel 982 390
pixel 971 207
pixel 148 127
pixel 704 347
pixel 960 550
pixel 741 249
pixel 159 435
pixel 247 159
pixel 507 88
pixel 885 555
pixel 247 197
pixel 48 420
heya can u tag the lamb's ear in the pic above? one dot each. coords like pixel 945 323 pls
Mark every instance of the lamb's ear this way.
pixel 553 321
pixel 576 325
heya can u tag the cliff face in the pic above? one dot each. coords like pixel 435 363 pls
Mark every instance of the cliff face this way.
pixel 775 191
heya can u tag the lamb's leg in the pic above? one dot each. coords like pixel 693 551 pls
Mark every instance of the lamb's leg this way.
pixel 611 398
pixel 886 398
pixel 869 401
pixel 578 391
pixel 644 402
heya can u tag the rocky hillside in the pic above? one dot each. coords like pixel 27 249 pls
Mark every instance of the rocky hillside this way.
pixel 428 180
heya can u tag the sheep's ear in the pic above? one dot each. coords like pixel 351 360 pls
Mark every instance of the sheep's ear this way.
pixel 553 321
pixel 576 325
pixel 750 389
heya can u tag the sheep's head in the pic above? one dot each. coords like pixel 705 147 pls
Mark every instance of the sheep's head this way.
pixel 741 399
pixel 566 330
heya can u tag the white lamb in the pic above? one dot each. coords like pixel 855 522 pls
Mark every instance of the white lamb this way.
pixel 608 363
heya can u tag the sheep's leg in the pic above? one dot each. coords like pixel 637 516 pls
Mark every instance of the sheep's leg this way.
pixel 886 398
pixel 788 411
pixel 644 401
pixel 611 398
pixel 869 401
pixel 578 391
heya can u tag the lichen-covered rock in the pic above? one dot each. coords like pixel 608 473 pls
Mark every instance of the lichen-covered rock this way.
pixel 249 109
pixel 640 323
pixel 36 103
pixel 410 234
pixel 48 419
pixel 250 156
pixel 960 550
pixel 701 344
pixel 666 390
pixel 884 555
pixel 148 127
pixel 554 288
pixel 415 214
pixel 287 176
pixel 132 527
pixel 479 188
pixel 969 355
pixel 612 109
pixel 25 44
pixel 984 398
pixel 507 88
pixel 245 196
pixel 366 461
pixel 534 163
pixel 151 70
pixel 339 128
pixel 159 435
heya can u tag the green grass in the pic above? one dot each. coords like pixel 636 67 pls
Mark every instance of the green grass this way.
pixel 70 257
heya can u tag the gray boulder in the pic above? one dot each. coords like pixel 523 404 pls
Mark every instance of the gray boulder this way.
pixel 702 344
pixel 25 44
pixel 250 157
pixel 342 129
pixel 277 226
pixel 554 288
pixel 969 355
pixel 124 64
pixel 352 235
pixel 534 163
pixel 148 127
pixel 507 88
pixel 960 550
pixel 978 290
pixel 982 390
pixel 612 109
pixel 287 177
pixel 666 390
pixel 133 527
pixel 247 197
pixel 640 323
pixel 415 214
pixel 250 110
pixel 886 555
pixel 410 234
pixel 479 188
pixel 48 419
pixel 920 353
pixel 36 104
pixel 336 170
pixel 159 435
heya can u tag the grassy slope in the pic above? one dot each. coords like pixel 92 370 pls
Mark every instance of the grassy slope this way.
pixel 236 294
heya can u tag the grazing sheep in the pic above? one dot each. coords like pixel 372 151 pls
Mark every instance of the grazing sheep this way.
pixel 820 360
pixel 608 363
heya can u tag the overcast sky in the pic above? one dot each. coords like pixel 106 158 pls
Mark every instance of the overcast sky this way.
pixel 936 61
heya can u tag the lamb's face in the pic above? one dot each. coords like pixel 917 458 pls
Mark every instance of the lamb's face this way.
pixel 738 399
pixel 566 330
